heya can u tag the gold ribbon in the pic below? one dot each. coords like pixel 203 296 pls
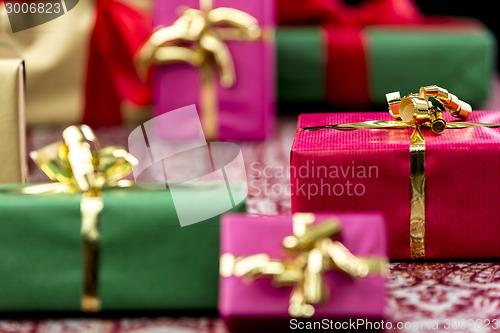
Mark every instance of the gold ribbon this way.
pixel 78 165
pixel 198 38
pixel 310 252
pixel 417 111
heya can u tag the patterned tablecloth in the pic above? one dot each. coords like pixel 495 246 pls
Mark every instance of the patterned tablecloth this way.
pixel 422 297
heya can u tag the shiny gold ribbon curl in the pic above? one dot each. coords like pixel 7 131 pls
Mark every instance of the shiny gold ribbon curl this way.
pixel 198 38
pixel 311 251
pixel 79 165
pixel 417 111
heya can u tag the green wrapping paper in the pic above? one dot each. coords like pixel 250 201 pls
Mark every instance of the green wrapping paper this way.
pixel 301 64
pixel 463 61
pixel 148 262
pixel 457 54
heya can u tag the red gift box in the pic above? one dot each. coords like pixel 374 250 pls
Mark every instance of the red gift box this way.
pixel 369 170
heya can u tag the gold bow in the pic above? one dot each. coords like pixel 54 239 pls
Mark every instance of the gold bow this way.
pixel 415 111
pixel 198 38
pixel 78 165
pixel 311 251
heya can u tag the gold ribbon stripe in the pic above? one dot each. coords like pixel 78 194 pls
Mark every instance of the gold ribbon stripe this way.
pixel 417 206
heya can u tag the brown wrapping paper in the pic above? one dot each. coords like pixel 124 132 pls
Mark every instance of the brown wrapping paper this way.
pixel 13 166
pixel 56 56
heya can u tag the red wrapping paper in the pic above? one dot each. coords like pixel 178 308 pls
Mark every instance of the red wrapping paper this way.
pixel 369 170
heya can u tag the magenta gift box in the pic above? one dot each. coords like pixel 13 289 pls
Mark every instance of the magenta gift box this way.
pixel 246 111
pixel 369 170
pixel 259 304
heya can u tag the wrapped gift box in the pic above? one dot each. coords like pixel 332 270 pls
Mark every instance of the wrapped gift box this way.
pixel 369 170
pixel 14 167
pixel 148 262
pixel 260 304
pixel 352 66
pixel 244 111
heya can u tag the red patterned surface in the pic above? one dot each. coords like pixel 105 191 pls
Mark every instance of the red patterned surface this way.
pixel 426 297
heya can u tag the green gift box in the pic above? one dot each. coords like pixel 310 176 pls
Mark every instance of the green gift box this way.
pixel 357 66
pixel 147 260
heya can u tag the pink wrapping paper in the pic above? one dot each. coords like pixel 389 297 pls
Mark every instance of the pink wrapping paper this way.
pixel 257 303
pixel 461 173
pixel 246 110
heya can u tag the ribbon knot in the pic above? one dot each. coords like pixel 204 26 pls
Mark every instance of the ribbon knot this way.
pixel 79 165
pixel 198 37
pixel 311 251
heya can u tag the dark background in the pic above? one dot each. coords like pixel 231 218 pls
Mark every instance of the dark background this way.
pixel 485 11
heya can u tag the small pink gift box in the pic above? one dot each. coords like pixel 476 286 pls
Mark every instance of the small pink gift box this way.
pixel 259 304
pixel 243 111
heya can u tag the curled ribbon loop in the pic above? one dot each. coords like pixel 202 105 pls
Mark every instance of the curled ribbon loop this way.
pixel 417 109
pixel 198 37
pixel 78 165
pixel 311 251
